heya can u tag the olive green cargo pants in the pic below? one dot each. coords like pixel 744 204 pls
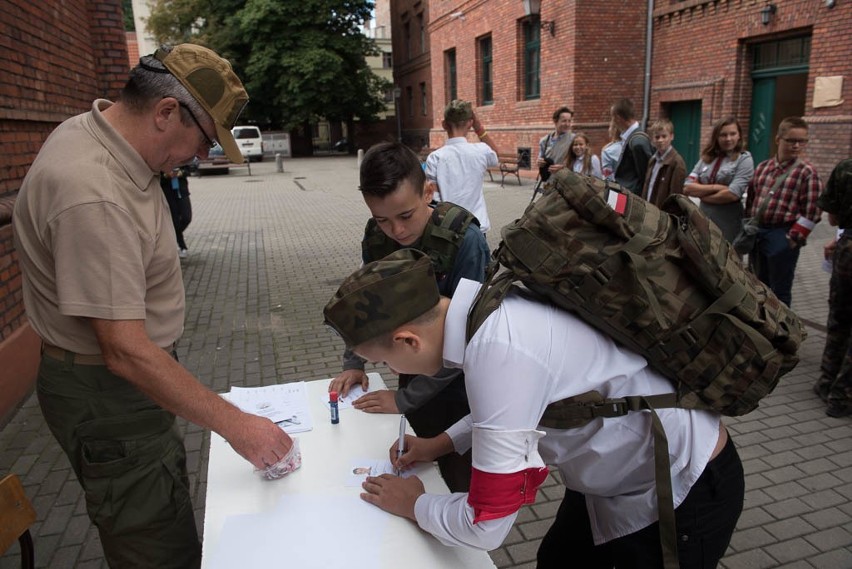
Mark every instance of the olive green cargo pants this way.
pixel 130 460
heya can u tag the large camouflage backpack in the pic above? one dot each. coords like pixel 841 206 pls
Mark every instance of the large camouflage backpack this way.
pixel 665 284
pixel 441 239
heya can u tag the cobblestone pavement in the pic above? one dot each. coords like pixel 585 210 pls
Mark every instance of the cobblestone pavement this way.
pixel 266 253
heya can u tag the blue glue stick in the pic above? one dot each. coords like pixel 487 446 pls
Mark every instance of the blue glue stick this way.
pixel 335 413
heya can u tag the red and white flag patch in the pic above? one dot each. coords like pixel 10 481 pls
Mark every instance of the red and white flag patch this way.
pixel 617 201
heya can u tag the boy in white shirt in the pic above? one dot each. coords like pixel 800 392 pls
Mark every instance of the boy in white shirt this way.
pixel 525 356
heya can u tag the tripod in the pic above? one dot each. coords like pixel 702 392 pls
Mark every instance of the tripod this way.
pixel 536 189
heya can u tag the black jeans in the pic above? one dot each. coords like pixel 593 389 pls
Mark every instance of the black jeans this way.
pixel 705 523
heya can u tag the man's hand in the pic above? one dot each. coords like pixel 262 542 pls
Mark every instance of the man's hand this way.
pixel 393 494
pixel 555 167
pixel 383 401
pixel 417 449
pixel 347 379
pixel 258 440
pixel 540 162
pixel 829 248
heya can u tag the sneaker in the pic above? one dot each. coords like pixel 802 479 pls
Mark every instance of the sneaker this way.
pixel 183 253
pixel 838 409
pixel 821 389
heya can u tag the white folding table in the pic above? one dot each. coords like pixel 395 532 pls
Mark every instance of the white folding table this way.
pixel 381 541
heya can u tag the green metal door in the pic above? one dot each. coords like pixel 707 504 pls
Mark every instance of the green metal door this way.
pixel 762 112
pixel 686 118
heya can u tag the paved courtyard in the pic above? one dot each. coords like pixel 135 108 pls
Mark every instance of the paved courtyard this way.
pixel 266 253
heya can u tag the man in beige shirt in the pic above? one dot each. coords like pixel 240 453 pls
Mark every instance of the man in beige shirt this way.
pixel 104 291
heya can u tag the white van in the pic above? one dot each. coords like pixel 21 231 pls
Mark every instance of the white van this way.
pixel 250 142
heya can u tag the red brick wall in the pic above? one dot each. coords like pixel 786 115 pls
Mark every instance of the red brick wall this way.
pixel 701 52
pixel 410 72
pixel 57 57
pixel 589 63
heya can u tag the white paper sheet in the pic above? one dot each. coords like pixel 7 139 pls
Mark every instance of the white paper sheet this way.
pixel 285 404
pixel 354 393
pixel 360 469
pixel 304 531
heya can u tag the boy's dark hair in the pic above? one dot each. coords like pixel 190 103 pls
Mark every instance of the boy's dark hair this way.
pixel 386 165
pixel 561 110
pixel 625 109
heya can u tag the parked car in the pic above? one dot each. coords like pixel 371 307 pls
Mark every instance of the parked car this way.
pixel 215 163
pixel 250 141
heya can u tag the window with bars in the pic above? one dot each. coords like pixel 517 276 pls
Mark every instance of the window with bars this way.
pixel 406 36
pixel 531 32
pixel 450 71
pixel 791 52
pixel 422 27
pixel 486 85
pixel 424 109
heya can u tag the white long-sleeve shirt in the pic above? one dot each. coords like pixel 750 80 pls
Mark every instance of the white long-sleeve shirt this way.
pixel 526 355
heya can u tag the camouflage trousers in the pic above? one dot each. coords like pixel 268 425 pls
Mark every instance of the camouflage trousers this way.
pixel 836 370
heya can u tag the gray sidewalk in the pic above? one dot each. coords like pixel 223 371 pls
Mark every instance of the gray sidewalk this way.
pixel 268 250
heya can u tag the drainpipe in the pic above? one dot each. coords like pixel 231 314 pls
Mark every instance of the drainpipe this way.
pixel 649 36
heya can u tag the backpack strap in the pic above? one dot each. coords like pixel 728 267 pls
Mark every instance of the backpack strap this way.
pixel 444 234
pixel 441 239
pixel 492 292
pixel 579 410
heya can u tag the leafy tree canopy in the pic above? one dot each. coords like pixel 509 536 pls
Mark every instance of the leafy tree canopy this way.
pixel 127 10
pixel 300 60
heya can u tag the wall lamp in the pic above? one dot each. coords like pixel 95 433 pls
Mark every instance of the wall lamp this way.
pixel 767 13
pixel 533 8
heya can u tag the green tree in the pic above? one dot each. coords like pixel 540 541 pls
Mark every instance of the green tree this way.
pixel 127 9
pixel 300 60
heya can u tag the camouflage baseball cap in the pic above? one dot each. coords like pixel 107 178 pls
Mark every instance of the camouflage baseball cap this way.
pixel 383 295
pixel 458 111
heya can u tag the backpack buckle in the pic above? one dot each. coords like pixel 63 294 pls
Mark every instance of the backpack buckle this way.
pixel 609 408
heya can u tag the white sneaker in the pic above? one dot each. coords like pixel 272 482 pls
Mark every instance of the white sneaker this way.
pixel 183 253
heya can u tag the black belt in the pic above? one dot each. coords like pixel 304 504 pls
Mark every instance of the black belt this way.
pixel 61 354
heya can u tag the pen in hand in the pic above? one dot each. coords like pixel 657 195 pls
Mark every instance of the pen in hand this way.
pixel 401 443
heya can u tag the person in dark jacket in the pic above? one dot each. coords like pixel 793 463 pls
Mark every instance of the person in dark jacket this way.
pixel 636 147
pixel 834 385
pixel 176 188
pixel 666 170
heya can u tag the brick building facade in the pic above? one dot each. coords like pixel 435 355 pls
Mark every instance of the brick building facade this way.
pixel 56 59
pixel 709 58
pixel 718 58
pixel 412 69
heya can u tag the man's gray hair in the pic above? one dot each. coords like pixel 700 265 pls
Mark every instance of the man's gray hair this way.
pixel 150 81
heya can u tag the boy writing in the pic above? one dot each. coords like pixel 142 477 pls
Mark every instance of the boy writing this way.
pixel 666 169
pixel 526 355
pixel 395 190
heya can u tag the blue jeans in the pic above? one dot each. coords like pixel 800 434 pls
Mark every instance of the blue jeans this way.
pixel 774 261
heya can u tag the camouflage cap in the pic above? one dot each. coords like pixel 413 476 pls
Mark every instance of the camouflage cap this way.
pixel 458 111
pixel 840 179
pixel 383 295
